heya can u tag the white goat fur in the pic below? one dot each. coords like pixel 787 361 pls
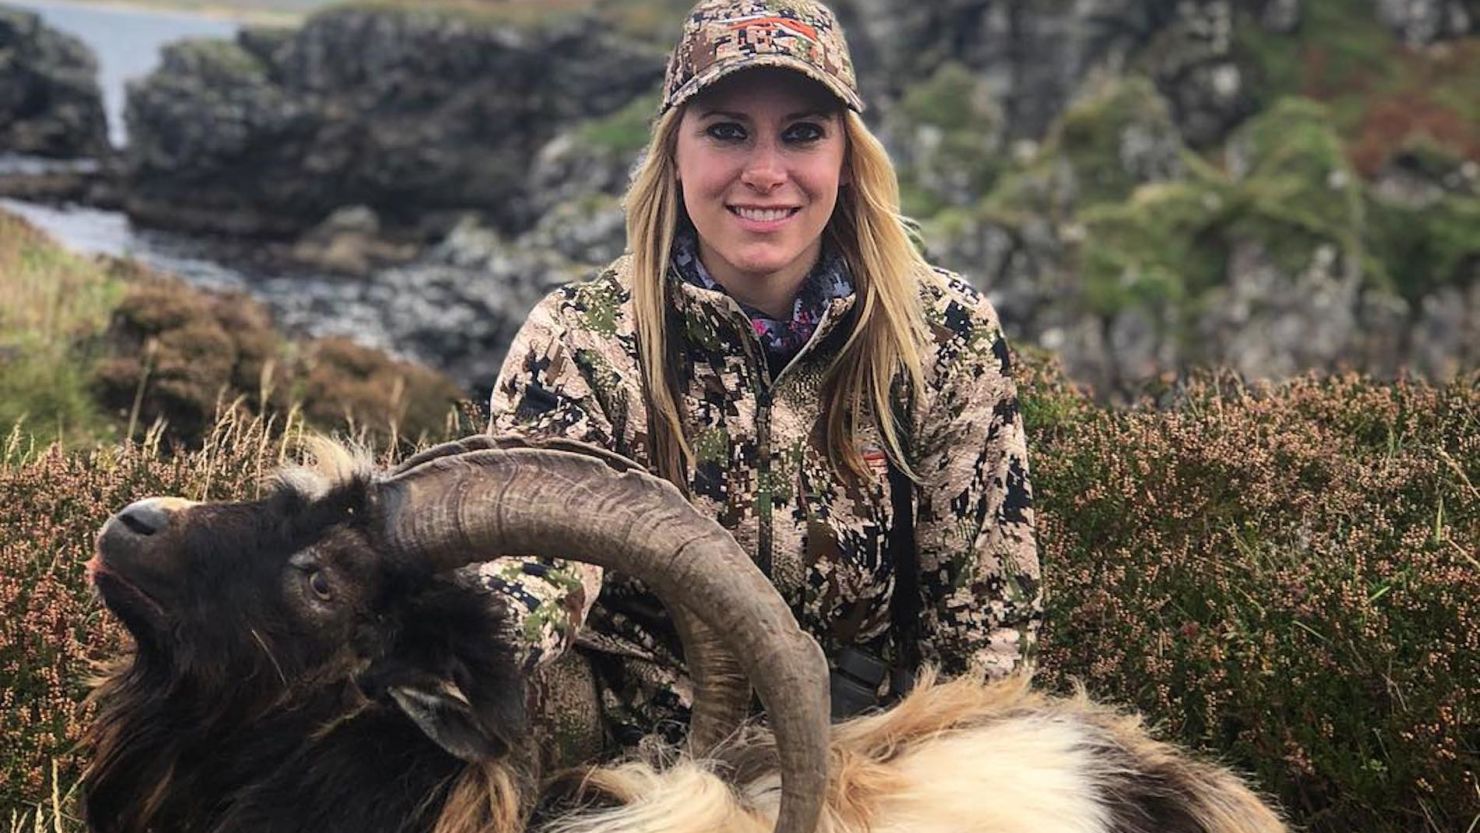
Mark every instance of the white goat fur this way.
pixel 955 756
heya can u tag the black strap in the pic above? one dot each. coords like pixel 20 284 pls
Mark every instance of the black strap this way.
pixel 856 674
pixel 905 603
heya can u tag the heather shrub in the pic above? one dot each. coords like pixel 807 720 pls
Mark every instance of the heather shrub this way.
pixel 340 382
pixel 92 350
pixel 177 354
pixel 1282 576
pixel 52 632
pixel 1286 576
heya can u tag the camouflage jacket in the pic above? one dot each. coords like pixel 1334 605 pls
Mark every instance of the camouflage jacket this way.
pixel 761 470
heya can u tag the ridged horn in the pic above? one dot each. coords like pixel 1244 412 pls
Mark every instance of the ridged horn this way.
pixel 455 509
pixel 721 692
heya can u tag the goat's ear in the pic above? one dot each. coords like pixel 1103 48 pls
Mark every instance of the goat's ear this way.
pixel 450 668
pixel 440 708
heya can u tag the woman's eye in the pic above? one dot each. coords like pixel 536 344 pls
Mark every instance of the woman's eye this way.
pixel 804 132
pixel 319 584
pixel 726 132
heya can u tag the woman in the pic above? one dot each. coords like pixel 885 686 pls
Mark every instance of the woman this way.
pixel 775 346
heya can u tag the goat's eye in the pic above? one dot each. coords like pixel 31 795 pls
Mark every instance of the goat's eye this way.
pixel 319 584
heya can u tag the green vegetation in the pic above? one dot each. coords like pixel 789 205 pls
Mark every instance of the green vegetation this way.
pixel 1379 93
pixel 624 132
pixel 1161 245
pixel 655 22
pixel 56 306
pixel 1431 243
pixel 96 350
pixel 1096 135
pixel 1298 190
pixel 218 62
pixel 1287 185
pixel 1283 576
pixel 964 156
pixel 1423 249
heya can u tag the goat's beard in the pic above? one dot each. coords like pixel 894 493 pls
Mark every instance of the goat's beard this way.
pixel 169 758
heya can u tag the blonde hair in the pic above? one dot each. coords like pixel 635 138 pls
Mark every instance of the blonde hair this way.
pixel 888 326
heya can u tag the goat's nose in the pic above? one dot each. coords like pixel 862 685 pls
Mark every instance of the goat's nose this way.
pixel 146 517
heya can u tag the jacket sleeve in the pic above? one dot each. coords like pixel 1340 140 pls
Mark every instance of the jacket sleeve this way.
pixel 978 553
pixel 541 392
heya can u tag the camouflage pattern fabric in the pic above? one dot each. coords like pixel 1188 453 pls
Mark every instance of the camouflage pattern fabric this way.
pixel 725 36
pixel 761 470
pixel 781 339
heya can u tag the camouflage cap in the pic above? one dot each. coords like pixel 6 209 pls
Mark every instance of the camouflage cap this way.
pixel 721 37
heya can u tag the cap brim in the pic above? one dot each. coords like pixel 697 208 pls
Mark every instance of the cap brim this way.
pixel 704 79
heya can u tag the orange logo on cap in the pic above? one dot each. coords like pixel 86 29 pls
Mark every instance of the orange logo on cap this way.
pixel 794 25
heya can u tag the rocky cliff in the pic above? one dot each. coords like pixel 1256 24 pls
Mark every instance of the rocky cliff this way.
pixel 1142 185
pixel 415 115
pixel 50 104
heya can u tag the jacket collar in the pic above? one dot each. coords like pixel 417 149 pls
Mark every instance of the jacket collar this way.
pixel 828 294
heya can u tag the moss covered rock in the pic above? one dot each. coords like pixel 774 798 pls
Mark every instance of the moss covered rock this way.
pixel 1118 136
pixel 947 134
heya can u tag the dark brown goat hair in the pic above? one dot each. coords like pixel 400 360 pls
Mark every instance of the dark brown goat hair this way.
pixel 295 671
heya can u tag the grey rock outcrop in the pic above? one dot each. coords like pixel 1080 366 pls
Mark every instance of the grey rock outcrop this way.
pixel 458 305
pixel 419 116
pixel 1111 250
pixel 1036 57
pixel 50 104
pixel 1420 22
pixel 1097 168
pixel 1446 337
pixel 1266 322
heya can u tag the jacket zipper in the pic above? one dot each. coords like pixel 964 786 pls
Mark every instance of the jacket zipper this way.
pixel 763 478
pixel 764 386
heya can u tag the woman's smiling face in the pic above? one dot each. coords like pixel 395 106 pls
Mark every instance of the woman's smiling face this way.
pixel 760 159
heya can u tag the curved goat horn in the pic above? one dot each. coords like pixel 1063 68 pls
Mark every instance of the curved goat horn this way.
pixel 721 690
pixel 458 508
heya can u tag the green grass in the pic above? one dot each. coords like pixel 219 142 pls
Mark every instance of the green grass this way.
pixel 57 305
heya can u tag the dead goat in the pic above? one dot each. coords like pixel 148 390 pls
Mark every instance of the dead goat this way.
pixel 318 660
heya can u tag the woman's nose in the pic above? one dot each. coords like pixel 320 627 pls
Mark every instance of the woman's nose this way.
pixel 764 170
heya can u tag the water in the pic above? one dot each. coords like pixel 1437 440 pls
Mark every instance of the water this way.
pixel 126 41
pixel 302 302
pixel 91 231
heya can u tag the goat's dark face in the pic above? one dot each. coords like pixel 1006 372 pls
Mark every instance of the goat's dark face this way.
pixel 280 588
pixel 278 630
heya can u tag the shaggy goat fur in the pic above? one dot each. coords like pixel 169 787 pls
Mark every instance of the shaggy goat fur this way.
pixel 243 722
pixel 953 756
